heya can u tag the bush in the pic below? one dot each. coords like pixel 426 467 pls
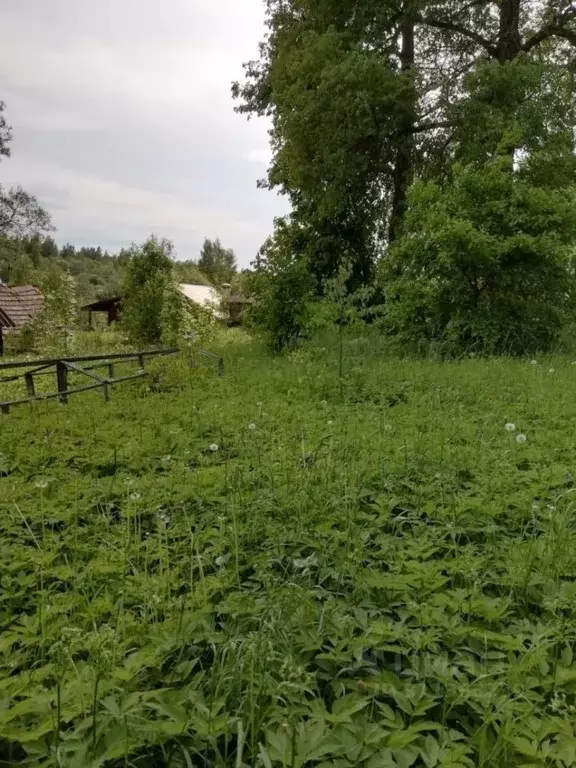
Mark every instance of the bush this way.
pixel 483 264
pixel 153 308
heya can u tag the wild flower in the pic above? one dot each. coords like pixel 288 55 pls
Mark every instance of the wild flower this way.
pixel 510 427
pixel 534 362
pixel 252 427
pixel 41 483
pixel 135 496
pixel 551 370
pixel 214 447
pixel 520 439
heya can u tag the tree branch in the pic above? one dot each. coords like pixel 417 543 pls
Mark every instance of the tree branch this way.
pixel 558 28
pixel 464 31
pixel 431 126
pixel 548 32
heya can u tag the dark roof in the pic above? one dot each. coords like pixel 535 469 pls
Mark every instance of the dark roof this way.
pixel 19 305
pixel 103 305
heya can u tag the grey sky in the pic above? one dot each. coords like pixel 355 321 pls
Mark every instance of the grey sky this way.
pixel 124 124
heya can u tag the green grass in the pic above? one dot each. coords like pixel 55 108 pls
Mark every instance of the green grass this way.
pixel 381 579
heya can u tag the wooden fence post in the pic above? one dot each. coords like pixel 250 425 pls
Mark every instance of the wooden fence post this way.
pixel 62 380
pixel 30 384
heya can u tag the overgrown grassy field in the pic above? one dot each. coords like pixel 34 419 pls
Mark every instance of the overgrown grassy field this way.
pixel 271 569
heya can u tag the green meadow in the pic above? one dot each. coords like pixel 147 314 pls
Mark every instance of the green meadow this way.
pixel 285 567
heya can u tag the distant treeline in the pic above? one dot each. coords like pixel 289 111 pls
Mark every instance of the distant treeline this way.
pixel 97 273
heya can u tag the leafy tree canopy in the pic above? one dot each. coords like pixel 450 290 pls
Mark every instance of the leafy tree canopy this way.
pixel 217 263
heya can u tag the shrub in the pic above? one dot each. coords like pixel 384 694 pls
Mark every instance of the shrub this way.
pixel 483 264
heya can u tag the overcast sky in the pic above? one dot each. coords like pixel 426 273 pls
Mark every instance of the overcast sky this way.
pixel 124 124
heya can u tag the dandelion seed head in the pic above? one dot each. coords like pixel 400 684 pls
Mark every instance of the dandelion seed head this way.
pixel 533 362
pixel 252 427
pixel 135 496
pixel 521 439
pixel 41 483
pixel 510 427
pixel 214 447
pixel 551 370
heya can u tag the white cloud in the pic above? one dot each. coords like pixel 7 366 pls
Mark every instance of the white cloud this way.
pixel 124 123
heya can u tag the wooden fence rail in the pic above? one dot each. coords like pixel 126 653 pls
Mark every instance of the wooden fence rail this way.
pixel 61 367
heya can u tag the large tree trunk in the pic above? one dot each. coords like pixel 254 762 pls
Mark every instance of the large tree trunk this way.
pixel 509 40
pixel 405 150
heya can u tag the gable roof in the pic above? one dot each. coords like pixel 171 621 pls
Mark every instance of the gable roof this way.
pixel 204 295
pixel 19 305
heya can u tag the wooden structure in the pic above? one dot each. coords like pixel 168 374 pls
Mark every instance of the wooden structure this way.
pixel 112 306
pixel 19 306
pixel 236 304
pixel 60 368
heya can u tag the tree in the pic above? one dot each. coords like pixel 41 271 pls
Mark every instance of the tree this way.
pixel 320 63
pixel 216 262
pixel 485 258
pixel 190 272
pixel 369 99
pixel 60 313
pixel 153 306
pixel 5 133
pixel 20 213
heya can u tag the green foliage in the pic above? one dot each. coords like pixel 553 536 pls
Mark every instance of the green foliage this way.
pixel 217 263
pixel 384 580
pixel 368 98
pixel 484 264
pixel 153 307
pixel 59 317
pixel 190 272
pixel 284 290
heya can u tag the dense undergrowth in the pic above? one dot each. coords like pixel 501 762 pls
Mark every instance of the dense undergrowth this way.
pixel 271 569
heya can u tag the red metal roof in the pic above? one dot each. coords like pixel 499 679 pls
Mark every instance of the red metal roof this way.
pixel 19 305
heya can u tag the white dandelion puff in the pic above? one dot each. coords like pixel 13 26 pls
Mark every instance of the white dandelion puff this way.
pixel 521 439
pixel 551 370
pixel 41 483
pixel 533 362
pixel 510 427
pixel 252 427
pixel 214 447
pixel 135 496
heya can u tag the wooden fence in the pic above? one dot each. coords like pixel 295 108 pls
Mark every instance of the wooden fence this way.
pixel 61 367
